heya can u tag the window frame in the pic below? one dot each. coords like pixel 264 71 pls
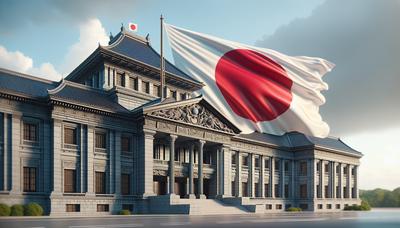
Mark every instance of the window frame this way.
pixel 101 186
pixel 100 132
pixel 28 137
pixel 30 185
pixel 73 183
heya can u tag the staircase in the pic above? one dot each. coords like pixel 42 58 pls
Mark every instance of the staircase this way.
pixel 211 206
pixel 176 205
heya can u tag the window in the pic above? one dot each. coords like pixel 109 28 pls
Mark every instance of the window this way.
pixel 345 192
pixel 100 183
pixel 268 206
pixel 286 191
pixel 320 206
pixel 303 168
pixel 267 163
pixel 345 170
pixel 318 167
pixel 125 144
pixel 277 191
pixel 266 190
pixel 353 193
pixel 337 206
pixel 303 191
pixel 121 79
pixel 183 96
pixel 329 206
pixel 277 166
pixel 133 83
pixel 245 161
pixel 100 140
pixel 278 206
pixel 70 135
pixel 337 169
pixel 257 162
pixel 337 192
pixel 69 180
pixel 286 166
pixel 30 132
pixel 233 159
pixel 326 168
pixel 103 208
pixel 73 207
pixel 125 184
pixel 353 171
pixel 156 90
pixel 145 87
pixel 326 191
pixel 173 94
pixel 319 191
pixel 29 179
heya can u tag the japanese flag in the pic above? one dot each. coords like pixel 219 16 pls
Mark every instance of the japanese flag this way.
pixel 257 89
pixel 133 27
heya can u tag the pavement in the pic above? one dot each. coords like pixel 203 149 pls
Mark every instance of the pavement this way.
pixel 377 218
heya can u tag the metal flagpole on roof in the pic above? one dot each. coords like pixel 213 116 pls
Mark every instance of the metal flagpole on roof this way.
pixel 162 73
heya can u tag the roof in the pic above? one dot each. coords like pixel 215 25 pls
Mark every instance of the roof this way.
pixel 79 94
pixel 25 85
pixel 294 140
pixel 139 49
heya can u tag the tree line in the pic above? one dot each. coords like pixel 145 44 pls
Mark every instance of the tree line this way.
pixel 381 197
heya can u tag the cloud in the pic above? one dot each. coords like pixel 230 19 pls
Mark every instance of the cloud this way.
pixel 17 61
pixel 91 33
pixel 362 38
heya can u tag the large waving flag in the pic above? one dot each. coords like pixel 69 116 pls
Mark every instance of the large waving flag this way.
pixel 257 89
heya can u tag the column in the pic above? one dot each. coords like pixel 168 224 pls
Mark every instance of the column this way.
pixel 117 165
pixel 111 161
pixel 226 171
pixel 191 167
pixel 7 150
pixel 292 181
pixel 171 175
pixel 145 163
pixel 57 172
pixel 200 145
pixel 356 178
pixel 316 179
pixel 251 176
pixel 238 175
pixel 341 195
pixel 333 177
pixel 262 176
pixel 348 182
pixel 282 178
pixel 82 158
pixel 89 160
pixel 322 179
pixel 272 177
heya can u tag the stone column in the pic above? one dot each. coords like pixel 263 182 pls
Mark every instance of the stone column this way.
pixel 356 178
pixel 7 150
pixel 200 169
pixel 83 157
pixel 272 177
pixel 282 178
pixel 292 181
pixel 341 195
pixel 191 167
pixel 316 179
pixel 322 179
pixel 348 182
pixel 111 161
pixel 89 161
pixel 145 163
pixel 117 165
pixel 333 178
pixel 251 175
pixel 261 181
pixel 226 162
pixel 57 172
pixel 171 175
pixel 238 175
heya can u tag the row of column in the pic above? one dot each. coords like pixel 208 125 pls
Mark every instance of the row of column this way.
pixel 341 183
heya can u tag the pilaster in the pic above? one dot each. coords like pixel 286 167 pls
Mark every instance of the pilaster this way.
pixel 272 177
pixel 172 164
pixel 262 176
pixel 238 174
pixel 227 169
pixel 200 168
pixel 57 172
pixel 117 165
pixel 145 163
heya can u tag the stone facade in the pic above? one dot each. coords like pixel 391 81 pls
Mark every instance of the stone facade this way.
pixel 134 145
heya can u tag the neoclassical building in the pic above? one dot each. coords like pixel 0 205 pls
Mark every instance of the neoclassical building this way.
pixel 102 140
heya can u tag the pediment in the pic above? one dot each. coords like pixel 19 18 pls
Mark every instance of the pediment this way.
pixel 197 112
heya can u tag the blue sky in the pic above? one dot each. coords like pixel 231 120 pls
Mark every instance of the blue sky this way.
pixel 49 38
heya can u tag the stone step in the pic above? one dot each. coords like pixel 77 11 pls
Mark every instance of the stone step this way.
pixel 210 206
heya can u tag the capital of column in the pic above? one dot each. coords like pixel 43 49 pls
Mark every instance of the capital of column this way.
pixel 201 142
pixel 172 137
pixel 149 133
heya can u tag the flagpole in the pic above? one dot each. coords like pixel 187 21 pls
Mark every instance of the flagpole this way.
pixel 162 73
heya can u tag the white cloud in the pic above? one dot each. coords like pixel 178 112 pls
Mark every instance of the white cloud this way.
pixel 380 164
pixel 91 34
pixel 18 61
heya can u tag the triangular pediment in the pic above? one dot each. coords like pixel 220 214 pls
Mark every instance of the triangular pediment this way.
pixel 196 112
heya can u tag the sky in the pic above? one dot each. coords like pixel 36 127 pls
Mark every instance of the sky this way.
pixel 49 38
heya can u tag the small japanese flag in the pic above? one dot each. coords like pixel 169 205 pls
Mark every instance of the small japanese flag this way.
pixel 133 27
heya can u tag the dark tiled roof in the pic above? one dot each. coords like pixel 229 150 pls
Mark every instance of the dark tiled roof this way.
pixel 86 96
pixel 293 140
pixel 26 85
pixel 140 50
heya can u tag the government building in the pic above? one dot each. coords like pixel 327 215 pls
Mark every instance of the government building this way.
pixel 102 140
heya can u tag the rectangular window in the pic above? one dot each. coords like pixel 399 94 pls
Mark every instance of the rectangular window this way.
pixel 353 171
pixel 245 160
pixel 103 208
pixel 320 206
pixel 233 159
pixel 70 135
pixel 277 191
pixel 277 165
pixel 318 167
pixel 100 140
pixel 345 192
pixel 345 170
pixel 267 163
pixel 73 207
pixel 329 206
pixel 30 132
pixel 69 180
pixel 303 168
pixel 337 169
pixel 125 184
pixel 319 191
pixel 173 94
pixel 326 168
pixel 145 87
pixel 303 191
pixel 326 191
pixel 286 191
pixel 121 79
pixel 183 96
pixel 125 144
pixel 257 162
pixel 337 206
pixel 156 91
pixel 337 192
pixel 286 166
pixel 266 190
pixel 100 182
pixel 133 83
pixel 29 179
pixel 278 206
pixel 268 206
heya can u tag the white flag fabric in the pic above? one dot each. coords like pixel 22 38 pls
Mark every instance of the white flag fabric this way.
pixel 257 89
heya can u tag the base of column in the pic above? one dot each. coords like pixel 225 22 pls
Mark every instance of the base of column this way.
pixel 224 196
pixel 201 196
pixel 191 196
pixel 148 194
